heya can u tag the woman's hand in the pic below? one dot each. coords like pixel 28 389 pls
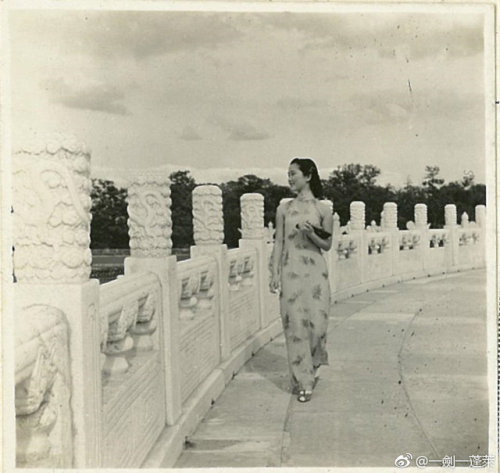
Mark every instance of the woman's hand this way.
pixel 274 285
pixel 306 228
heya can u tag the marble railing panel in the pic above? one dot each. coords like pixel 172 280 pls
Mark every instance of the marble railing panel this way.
pixel 243 311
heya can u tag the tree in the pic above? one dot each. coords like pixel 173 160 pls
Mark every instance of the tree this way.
pixel 357 182
pixel 181 189
pixel 108 227
pixel 431 181
pixel 467 179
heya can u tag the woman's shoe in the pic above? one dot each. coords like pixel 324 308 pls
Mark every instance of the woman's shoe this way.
pixel 304 395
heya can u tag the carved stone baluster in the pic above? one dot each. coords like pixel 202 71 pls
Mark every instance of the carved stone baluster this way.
pixel 207 291
pixel 119 340
pixel 52 213
pixel 146 324
pixel 480 215
pixel 252 216
pixel 390 216
pixel 208 225
pixel 420 213
pixel 450 215
pixel 248 271
pixel 150 223
pixel 234 278
pixel 52 264
pixel 357 215
pixel 187 299
pixel 150 231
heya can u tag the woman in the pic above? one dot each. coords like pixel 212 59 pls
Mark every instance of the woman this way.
pixel 299 271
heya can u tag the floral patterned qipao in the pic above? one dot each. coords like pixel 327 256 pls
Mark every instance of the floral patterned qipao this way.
pixel 305 294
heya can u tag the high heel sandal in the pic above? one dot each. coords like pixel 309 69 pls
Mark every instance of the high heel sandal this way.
pixel 304 395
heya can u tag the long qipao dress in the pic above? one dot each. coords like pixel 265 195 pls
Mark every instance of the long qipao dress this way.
pixel 305 294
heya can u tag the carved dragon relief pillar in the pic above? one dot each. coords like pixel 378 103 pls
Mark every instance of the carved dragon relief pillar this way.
pixel 52 258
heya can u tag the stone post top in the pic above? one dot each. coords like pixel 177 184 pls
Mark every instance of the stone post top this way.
pixel 52 143
pixel 357 203
pixel 207 189
pixel 420 205
pixel 252 196
pixel 390 204
pixel 145 178
pixel 450 206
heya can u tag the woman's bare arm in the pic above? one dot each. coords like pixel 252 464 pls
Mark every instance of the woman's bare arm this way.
pixel 278 241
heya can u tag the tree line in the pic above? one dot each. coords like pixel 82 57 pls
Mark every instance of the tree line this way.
pixel 344 184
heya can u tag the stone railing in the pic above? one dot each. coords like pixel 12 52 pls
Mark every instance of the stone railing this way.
pixel 133 382
pixel 199 324
pixel 367 256
pixel 118 375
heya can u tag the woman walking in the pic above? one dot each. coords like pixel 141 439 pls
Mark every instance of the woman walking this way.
pixel 300 273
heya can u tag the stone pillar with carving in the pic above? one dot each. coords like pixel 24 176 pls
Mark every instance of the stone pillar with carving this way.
pixel 420 213
pixel 480 216
pixel 208 228
pixel 357 215
pixel 356 226
pixel 421 225
pixel 149 222
pixel 150 230
pixel 450 224
pixel 390 216
pixel 450 215
pixel 51 209
pixel 253 236
pixel 252 216
pixel 390 224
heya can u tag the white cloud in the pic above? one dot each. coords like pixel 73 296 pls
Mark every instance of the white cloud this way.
pixel 100 97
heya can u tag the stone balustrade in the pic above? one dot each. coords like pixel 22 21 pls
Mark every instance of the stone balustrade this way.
pixel 409 239
pixel 195 282
pixel 139 360
pixel 128 313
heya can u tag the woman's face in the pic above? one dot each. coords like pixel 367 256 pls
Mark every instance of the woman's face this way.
pixel 296 179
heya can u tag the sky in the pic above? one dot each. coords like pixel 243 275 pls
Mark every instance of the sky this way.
pixel 225 94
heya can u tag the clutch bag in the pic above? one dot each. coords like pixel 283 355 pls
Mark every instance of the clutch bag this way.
pixel 321 233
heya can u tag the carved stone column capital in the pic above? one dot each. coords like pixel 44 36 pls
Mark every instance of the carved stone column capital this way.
pixel 149 222
pixel 51 203
pixel 208 223
pixel 391 215
pixel 357 215
pixel 420 213
pixel 450 215
pixel 252 215
pixel 480 215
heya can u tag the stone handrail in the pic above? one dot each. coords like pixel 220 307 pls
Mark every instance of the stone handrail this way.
pixel 127 309
pixel 195 280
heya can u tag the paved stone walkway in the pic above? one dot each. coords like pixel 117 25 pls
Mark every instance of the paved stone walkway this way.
pixel 407 374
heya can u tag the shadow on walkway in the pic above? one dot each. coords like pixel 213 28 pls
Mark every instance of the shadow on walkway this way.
pixel 407 374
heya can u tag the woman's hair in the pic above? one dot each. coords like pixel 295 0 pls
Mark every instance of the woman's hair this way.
pixel 308 168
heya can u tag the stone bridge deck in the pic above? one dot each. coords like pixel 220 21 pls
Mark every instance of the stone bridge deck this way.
pixel 407 374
